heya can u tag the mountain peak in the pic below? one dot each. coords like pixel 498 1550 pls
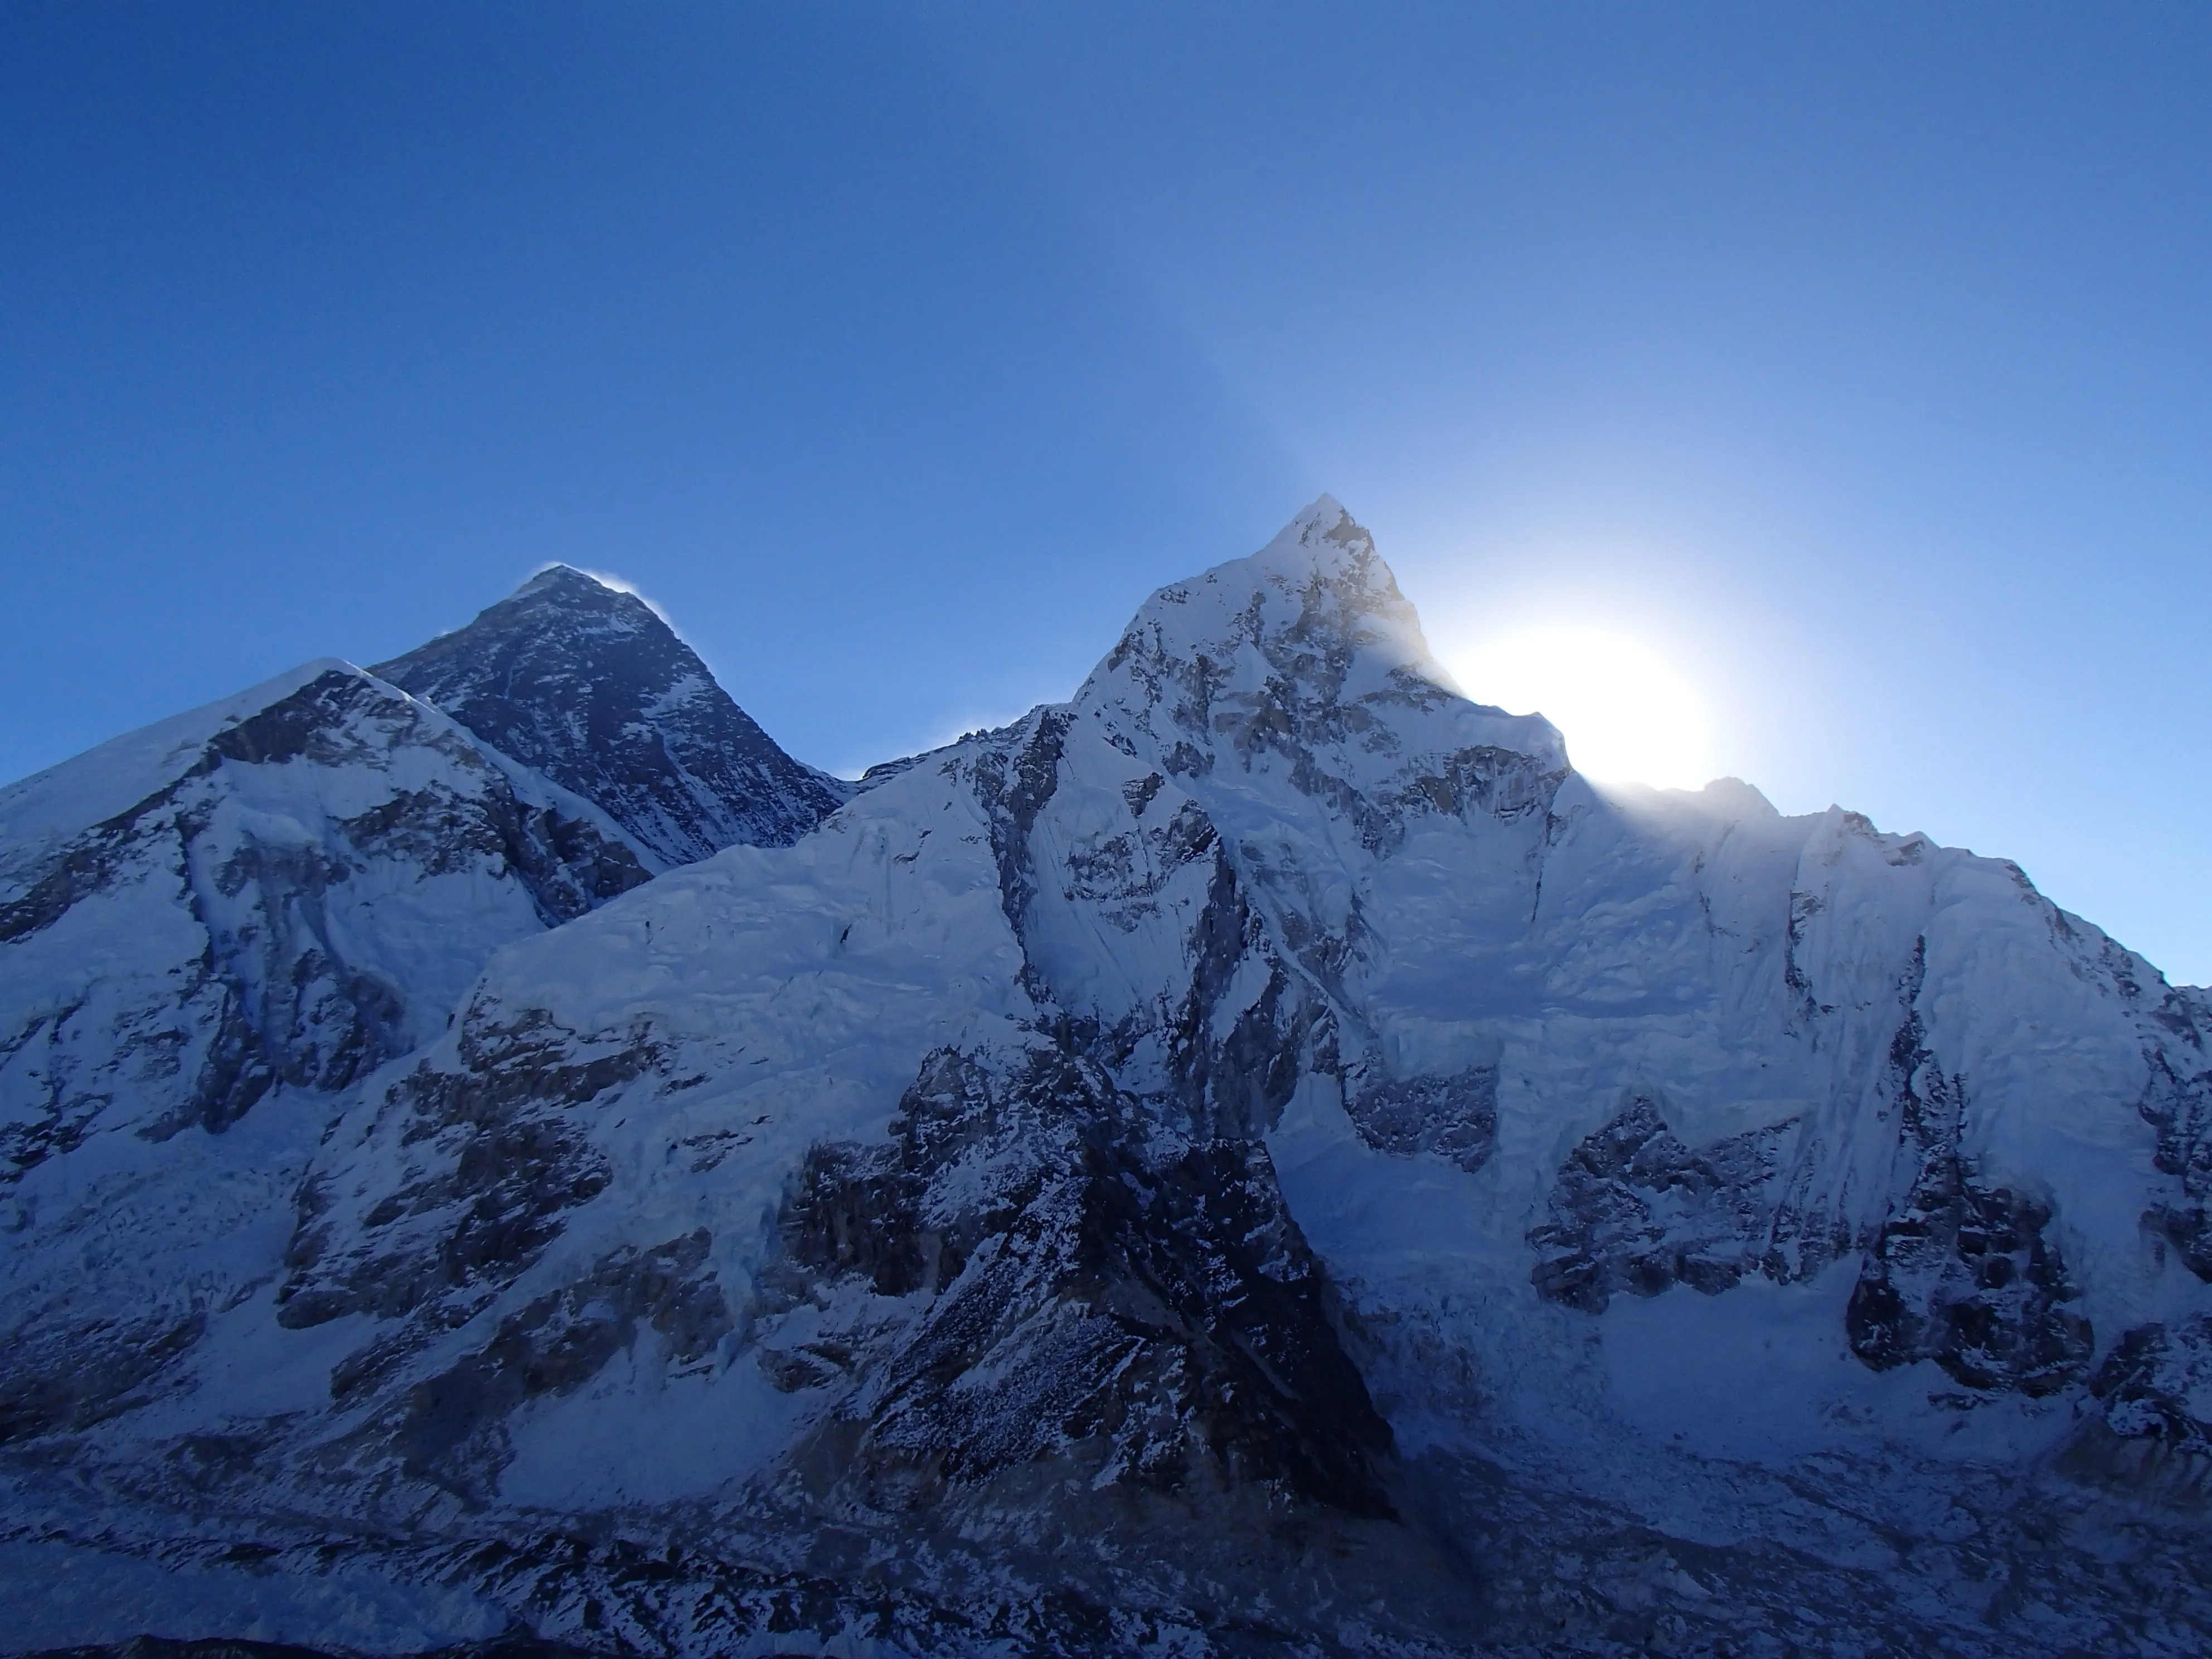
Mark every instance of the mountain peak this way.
pixel 588 684
pixel 1321 515
pixel 1301 648
pixel 1319 586
pixel 566 581
pixel 561 594
pixel 1322 534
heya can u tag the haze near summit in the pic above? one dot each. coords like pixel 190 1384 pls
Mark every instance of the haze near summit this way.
pixel 1817 399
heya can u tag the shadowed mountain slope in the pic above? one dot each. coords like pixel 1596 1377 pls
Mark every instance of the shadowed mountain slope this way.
pixel 586 685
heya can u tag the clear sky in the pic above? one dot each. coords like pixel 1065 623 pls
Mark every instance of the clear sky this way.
pixel 1818 394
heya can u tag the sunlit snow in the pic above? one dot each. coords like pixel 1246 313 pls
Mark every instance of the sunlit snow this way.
pixel 1627 711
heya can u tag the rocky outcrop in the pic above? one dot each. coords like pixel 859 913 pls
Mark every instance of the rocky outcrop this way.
pixel 1634 1209
pixel 1453 1117
pixel 1149 1312
pixel 1963 1274
pixel 2177 1104
pixel 2154 1431
pixel 470 1168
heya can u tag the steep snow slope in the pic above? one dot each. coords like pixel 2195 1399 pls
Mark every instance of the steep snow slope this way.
pixel 587 686
pixel 1261 1157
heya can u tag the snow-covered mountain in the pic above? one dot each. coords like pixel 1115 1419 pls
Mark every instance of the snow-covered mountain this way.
pixel 1260 1157
pixel 253 905
pixel 291 887
pixel 586 685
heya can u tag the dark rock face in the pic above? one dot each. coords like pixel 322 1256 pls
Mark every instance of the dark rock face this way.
pixel 1201 1250
pixel 2178 1101
pixel 1237 1084
pixel 2156 1384
pixel 489 1155
pixel 1965 1277
pixel 586 684
pixel 1453 1117
pixel 1154 1311
pixel 1961 1273
pixel 1634 1209
pixel 66 1382
pixel 1014 781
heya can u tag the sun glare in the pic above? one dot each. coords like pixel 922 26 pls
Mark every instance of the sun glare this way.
pixel 1627 713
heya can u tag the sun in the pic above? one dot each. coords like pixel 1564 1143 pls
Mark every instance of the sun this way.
pixel 1628 715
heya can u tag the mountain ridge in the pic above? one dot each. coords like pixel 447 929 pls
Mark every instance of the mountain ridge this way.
pixel 1260 1157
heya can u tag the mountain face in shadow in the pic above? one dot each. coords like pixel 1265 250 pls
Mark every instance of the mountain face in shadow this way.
pixel 586 684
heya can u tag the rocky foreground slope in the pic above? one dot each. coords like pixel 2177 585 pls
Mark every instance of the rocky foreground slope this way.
pixel 1261 1157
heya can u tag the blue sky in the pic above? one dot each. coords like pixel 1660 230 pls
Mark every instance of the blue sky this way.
pixel 1854 364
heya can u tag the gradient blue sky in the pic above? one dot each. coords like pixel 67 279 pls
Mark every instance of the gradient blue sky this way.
pixel 1857 359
